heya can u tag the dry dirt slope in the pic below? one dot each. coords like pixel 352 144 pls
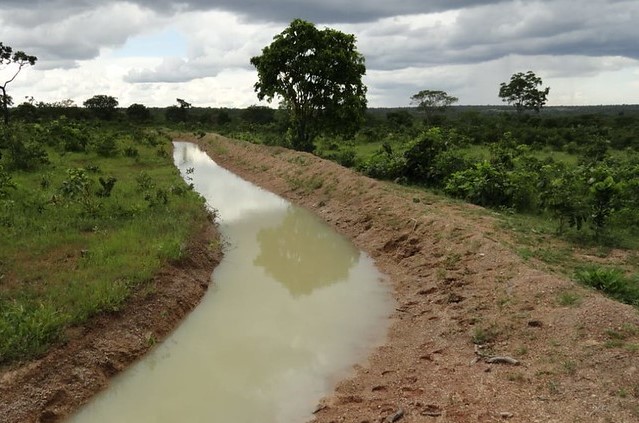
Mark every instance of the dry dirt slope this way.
pixel 463 299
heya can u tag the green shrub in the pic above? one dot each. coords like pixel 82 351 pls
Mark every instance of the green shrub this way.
pixel 483 184
pixel 106 145
pixel 385 164
pixel 611 281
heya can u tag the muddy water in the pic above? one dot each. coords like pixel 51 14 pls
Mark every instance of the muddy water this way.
pixel 293 307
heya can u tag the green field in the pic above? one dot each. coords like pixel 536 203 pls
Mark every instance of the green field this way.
pixel 70 249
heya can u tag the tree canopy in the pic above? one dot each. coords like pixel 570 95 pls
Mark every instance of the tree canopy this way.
pixel 102 105
pixel 14 61
pixel 432 101
pixel 317 74
pixel 522 92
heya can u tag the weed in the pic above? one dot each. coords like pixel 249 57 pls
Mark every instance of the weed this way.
pixel 484 335
pixel 553 387
pixel 569 367
pixel 451 261
pixel 569 298
pixel 612 282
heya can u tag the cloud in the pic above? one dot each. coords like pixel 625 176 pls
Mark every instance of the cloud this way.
pixel 62 37
pixel 156 48
pixel 210 51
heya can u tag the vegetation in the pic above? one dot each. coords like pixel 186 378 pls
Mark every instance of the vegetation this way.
pixel 318 77
pixel 103 106
pixel 88 199
pixel 522 92
pixel 432 101
pixel 17 60
pixel 87 215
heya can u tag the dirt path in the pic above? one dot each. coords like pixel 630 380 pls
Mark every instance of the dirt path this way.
pixel 463 299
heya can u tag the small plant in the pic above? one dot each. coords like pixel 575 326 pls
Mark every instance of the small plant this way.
pixel 483 336
pixel 611 281
pixel 145 182
pixel 5 183
pixel 131 152
pixel 106 145
pixel 568 298
pixel 106 186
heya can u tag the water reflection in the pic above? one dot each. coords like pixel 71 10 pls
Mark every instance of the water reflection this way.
pixel 294 306
pixel 294 253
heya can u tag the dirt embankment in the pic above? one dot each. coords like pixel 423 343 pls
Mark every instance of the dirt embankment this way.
pixel 478 335
pixel 48 389
pixel 467 307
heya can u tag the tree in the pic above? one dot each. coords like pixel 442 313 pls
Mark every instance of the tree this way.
pixel 14 61
pixel 432 101
pixel 138 112
pixel 259 115
pixel 522 92
pixel 318 76
pixel 103 106
pixel 178 113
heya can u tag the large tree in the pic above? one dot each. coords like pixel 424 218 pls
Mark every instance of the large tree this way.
pixel 13 62
pixel 522 92
pixel 317 74
pixel 432 101
pixel 103 106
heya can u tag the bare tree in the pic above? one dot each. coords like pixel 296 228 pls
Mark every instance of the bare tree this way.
pixel 14 62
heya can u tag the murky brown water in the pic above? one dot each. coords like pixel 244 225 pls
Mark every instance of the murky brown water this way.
pixel 293 307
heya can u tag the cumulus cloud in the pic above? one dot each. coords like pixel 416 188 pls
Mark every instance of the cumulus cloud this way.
pixel 74 34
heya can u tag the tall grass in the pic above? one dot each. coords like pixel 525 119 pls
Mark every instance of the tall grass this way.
pixel 61 263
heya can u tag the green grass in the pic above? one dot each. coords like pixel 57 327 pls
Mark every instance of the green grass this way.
pixel 61 262
pixel 612 281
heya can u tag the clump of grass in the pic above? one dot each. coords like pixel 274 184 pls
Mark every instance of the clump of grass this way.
pixel 485 335
pixel 569 298
pixel 612 281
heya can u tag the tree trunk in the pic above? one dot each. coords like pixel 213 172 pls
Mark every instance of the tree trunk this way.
pixel 5 106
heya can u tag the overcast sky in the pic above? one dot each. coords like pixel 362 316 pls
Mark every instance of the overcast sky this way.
pixel 152 52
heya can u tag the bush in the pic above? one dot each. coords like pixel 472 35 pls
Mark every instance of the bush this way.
pixel 5 183
pixel 483 184
pixel 23 151
pixel 611 281
pixel 385 164
pixel 106 145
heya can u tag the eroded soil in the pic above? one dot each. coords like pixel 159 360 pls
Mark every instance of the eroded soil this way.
pixel 478 335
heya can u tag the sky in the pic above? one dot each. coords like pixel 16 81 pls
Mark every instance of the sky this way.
pixel 154 51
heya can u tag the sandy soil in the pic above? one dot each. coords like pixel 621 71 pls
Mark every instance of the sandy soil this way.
pixel 478 335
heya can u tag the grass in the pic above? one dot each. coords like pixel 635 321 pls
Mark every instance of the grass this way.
pixel 612 281
pixel 62 262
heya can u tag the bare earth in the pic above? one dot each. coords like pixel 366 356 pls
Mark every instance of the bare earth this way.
pixel 478 334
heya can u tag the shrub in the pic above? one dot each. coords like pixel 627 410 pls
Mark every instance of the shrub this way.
pixel 483 184
pixel 5 183
pixel 106 145
pixel 385 164
pixel 611 281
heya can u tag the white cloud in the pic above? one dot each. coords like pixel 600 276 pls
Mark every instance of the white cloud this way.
pixel 586 54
